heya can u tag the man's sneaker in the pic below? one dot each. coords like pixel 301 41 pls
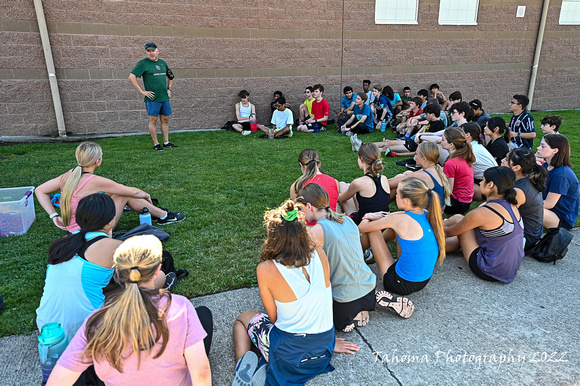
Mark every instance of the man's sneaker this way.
pixel 409 161
pixel 413 168
pixel 170 281
pixel 352 142
pixel 246 132
pixel 401 305
pixel 170 213
pixel 348 133
pixel 171 218
pixel 169 144
pixel 158 147
pixel 357 143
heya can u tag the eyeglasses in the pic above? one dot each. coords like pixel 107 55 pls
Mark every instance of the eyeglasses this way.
pixel 454 112
pixel 307 92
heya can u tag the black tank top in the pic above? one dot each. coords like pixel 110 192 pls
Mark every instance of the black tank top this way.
pixel 90 242
pixel 377 203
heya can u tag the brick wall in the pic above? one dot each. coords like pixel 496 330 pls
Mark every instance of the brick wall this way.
pixel 218 47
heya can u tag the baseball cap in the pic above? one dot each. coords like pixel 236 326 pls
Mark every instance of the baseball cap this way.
pixel 150 46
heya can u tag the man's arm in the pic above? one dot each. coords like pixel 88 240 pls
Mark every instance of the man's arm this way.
pixel 145 93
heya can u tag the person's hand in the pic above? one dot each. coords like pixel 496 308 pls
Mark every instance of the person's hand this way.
pixel 374 216
pixel 148 94
pixel 58 222
pixel 344 346
pixel 169 93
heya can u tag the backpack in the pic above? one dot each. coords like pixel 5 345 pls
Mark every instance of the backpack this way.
pixel 553 245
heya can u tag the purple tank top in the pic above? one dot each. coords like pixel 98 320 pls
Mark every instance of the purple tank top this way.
pixel 500 257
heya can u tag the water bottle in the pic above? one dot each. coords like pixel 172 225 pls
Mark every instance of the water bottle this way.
pixel 52 343
pixel 144 216
pixel 253 123
pixel 383 125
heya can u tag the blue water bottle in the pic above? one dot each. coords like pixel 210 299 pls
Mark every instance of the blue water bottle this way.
pixel 52 342
pixel 383 125
pixel 144 216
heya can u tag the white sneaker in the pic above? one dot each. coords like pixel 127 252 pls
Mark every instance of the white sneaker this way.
pixel 352 142
pixel 357 144
pixel 246 132
pixel 348 134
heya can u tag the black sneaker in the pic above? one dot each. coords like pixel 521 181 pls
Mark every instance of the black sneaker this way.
pixel 158 147
pixel 171 218
pixel 413 168
pixel 402 163
pixel 169 144
pixel 170 213
pixel 170 281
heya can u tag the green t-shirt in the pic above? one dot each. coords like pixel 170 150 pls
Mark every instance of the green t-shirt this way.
pixel 154 78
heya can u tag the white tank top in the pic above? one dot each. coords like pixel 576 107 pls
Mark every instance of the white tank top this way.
pixel 311 312
pixel 245 111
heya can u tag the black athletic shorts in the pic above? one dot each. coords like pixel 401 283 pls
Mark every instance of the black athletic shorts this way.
pixel 396 284
pixel 457 207
pixel 410 144
pixel 344 313
pixel 475 268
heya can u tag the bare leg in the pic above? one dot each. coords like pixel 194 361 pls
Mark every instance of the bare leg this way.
pixel 153 129
pixel 468 243
pixel 136 204
pixel 551 219
pixel 242 341
pixel 350 206
pixel 237 127
pixel 165 127
pixel 381 252
pixel 303 112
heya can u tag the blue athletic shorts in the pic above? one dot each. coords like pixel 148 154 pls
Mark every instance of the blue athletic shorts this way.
pixel 158 108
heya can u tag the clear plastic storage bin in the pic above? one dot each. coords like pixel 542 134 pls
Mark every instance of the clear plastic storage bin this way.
pixel 16 210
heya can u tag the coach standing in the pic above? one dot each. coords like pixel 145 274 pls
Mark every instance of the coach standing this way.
pixel 157 78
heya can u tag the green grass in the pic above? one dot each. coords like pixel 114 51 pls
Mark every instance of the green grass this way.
pixel 223 182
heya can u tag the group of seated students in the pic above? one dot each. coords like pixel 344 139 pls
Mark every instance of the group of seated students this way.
pixel 313 278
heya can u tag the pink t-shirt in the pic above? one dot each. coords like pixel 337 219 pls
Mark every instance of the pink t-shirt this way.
pixel 462 173
pixel 329 184
pixel 185 330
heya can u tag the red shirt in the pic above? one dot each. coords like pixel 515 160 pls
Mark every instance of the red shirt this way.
pixel 462 173
pixel 412 114
pixel 320 110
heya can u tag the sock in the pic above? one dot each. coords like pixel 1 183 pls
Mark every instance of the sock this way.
pixel 165 143
pixel 164 217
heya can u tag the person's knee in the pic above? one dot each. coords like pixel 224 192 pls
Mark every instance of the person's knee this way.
pixel 164 118
pixel 245 318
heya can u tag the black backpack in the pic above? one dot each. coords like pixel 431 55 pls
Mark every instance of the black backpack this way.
pixel 553 246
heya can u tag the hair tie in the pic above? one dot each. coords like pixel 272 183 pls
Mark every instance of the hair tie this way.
pixel 291 216
pixel 429 191
pixel 327 207
pixel 135 267
pixel 379 161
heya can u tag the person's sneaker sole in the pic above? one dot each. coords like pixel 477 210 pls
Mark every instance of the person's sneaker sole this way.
pixel 245 369
pixel 400 304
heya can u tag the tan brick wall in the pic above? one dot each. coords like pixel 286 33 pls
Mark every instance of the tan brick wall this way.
pixel 218 47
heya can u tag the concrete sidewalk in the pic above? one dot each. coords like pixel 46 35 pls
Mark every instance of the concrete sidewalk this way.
pixel 463 331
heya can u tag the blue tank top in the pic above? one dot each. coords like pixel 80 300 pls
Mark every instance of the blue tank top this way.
pixel 72 290
pixel 418 257
pixel 437 188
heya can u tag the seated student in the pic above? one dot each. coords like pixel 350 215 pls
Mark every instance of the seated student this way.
pixel 309 161
pixel 245 111
pixel 277 94
pixel 426 158
pixel 418 229
pixel 521 125
pixel 408 125
pixel 346 105
pixel 143 335
pixel 381 107
pixel 394 98
pixel 361 121
pixel 436 93
pixel 479 115
pixel 82 181
pixel 491 236
pixel 306 107
pixel 282 120
pixel 371 190
pixel 458 169
pixel 424 95
pixel 320 112
pixel 367 90
pixel 408 145
pixel 551 124
pixel 483 159
pixel 296 334
pixel 454 97
pixel 530 183
pixel 562 194
pixel 353 283
pixel 406 98
pixel 499 137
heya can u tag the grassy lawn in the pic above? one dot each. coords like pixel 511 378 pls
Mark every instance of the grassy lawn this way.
pixel 223 182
